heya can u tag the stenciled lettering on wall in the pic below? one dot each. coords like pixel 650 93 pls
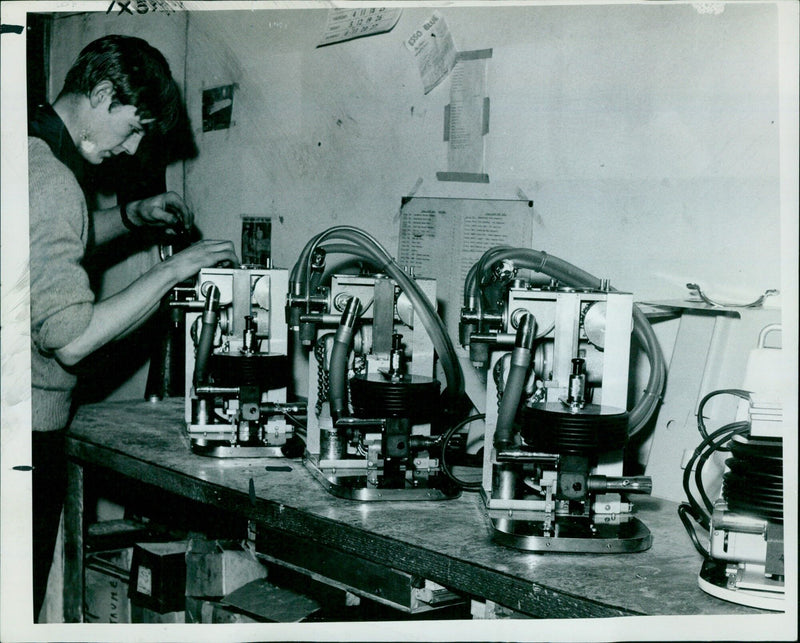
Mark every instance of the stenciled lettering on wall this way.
pixel 142 7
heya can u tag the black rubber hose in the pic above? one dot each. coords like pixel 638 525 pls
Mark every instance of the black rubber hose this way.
pixel 575 277
pixel 515 384
pixel 206 342
pixel 337 388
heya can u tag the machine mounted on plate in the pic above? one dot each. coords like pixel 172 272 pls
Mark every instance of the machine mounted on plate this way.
pixel 374 402
pixel 557 359
pixel 744 560
pixel 237 369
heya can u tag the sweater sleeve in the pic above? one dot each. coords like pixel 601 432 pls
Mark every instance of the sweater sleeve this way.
pixel 61 296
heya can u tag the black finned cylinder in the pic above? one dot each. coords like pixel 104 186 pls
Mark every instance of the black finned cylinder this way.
pixel 415 397
pixel 753 483
pixel 555 428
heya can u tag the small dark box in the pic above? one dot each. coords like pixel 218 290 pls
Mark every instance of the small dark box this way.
pixel 158 576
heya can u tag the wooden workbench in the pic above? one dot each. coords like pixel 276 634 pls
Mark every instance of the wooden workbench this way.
pixel 447 542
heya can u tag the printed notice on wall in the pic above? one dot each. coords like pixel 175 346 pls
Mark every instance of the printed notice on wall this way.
pixel 441 238
pixel 433 49
pixel 346 24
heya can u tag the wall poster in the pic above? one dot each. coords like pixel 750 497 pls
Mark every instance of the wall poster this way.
pixel 441 238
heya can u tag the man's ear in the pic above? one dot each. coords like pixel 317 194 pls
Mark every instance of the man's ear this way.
pixel 102 92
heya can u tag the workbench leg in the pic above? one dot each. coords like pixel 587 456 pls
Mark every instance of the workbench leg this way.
pixel 73 545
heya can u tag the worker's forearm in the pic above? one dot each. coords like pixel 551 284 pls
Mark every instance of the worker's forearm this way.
pixel 107 225
pixel 112 318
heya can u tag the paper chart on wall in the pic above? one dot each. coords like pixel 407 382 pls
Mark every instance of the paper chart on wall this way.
pixel 442 238
pixel 467 119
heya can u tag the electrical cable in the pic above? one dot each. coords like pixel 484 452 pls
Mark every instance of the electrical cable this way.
pixel 708 447
pixel 447 436
pixel 303 428
pixel 735 428
pixel 713 442
pixel 683 510
pixel 692 508
pixel 701 425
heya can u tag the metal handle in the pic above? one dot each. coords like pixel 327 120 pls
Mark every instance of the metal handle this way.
pixel 762 336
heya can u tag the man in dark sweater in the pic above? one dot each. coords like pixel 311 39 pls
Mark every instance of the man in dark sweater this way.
pixel 118 89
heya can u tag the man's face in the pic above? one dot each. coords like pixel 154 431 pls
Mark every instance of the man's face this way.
pixel 112 129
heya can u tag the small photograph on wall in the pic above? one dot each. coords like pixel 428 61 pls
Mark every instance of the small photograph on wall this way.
pixel 217 108
pixel 256 241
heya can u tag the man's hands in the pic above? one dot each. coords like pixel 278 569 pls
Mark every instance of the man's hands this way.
pixel 169 210
pixel 203 254
pixel 164 210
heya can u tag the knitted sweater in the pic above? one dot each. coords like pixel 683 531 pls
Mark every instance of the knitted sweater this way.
pixel 61 298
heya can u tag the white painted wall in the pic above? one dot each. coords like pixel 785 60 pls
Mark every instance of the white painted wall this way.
pixel 646 134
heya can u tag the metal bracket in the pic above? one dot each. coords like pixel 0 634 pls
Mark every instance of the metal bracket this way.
pixel 695 288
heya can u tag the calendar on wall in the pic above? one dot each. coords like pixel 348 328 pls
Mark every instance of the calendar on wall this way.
pixel 346 24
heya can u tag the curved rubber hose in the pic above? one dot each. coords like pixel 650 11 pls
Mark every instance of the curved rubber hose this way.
pixel 515 384
pixel 431 321
pixel 433 325
pixel 337 388
pixel 206 342
pixel 575 277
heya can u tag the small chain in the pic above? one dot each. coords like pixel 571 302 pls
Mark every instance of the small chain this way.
pixel 497 373
pixel 323 376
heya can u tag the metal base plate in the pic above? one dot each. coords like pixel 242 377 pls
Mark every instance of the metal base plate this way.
pixel 220 449
pixel 572 536
pixel 353 485
pixel 713 580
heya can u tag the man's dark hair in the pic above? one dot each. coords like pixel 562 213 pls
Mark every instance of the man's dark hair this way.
pixel 139 72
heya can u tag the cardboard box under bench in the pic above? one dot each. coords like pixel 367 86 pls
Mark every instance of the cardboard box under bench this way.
pixel 215 568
